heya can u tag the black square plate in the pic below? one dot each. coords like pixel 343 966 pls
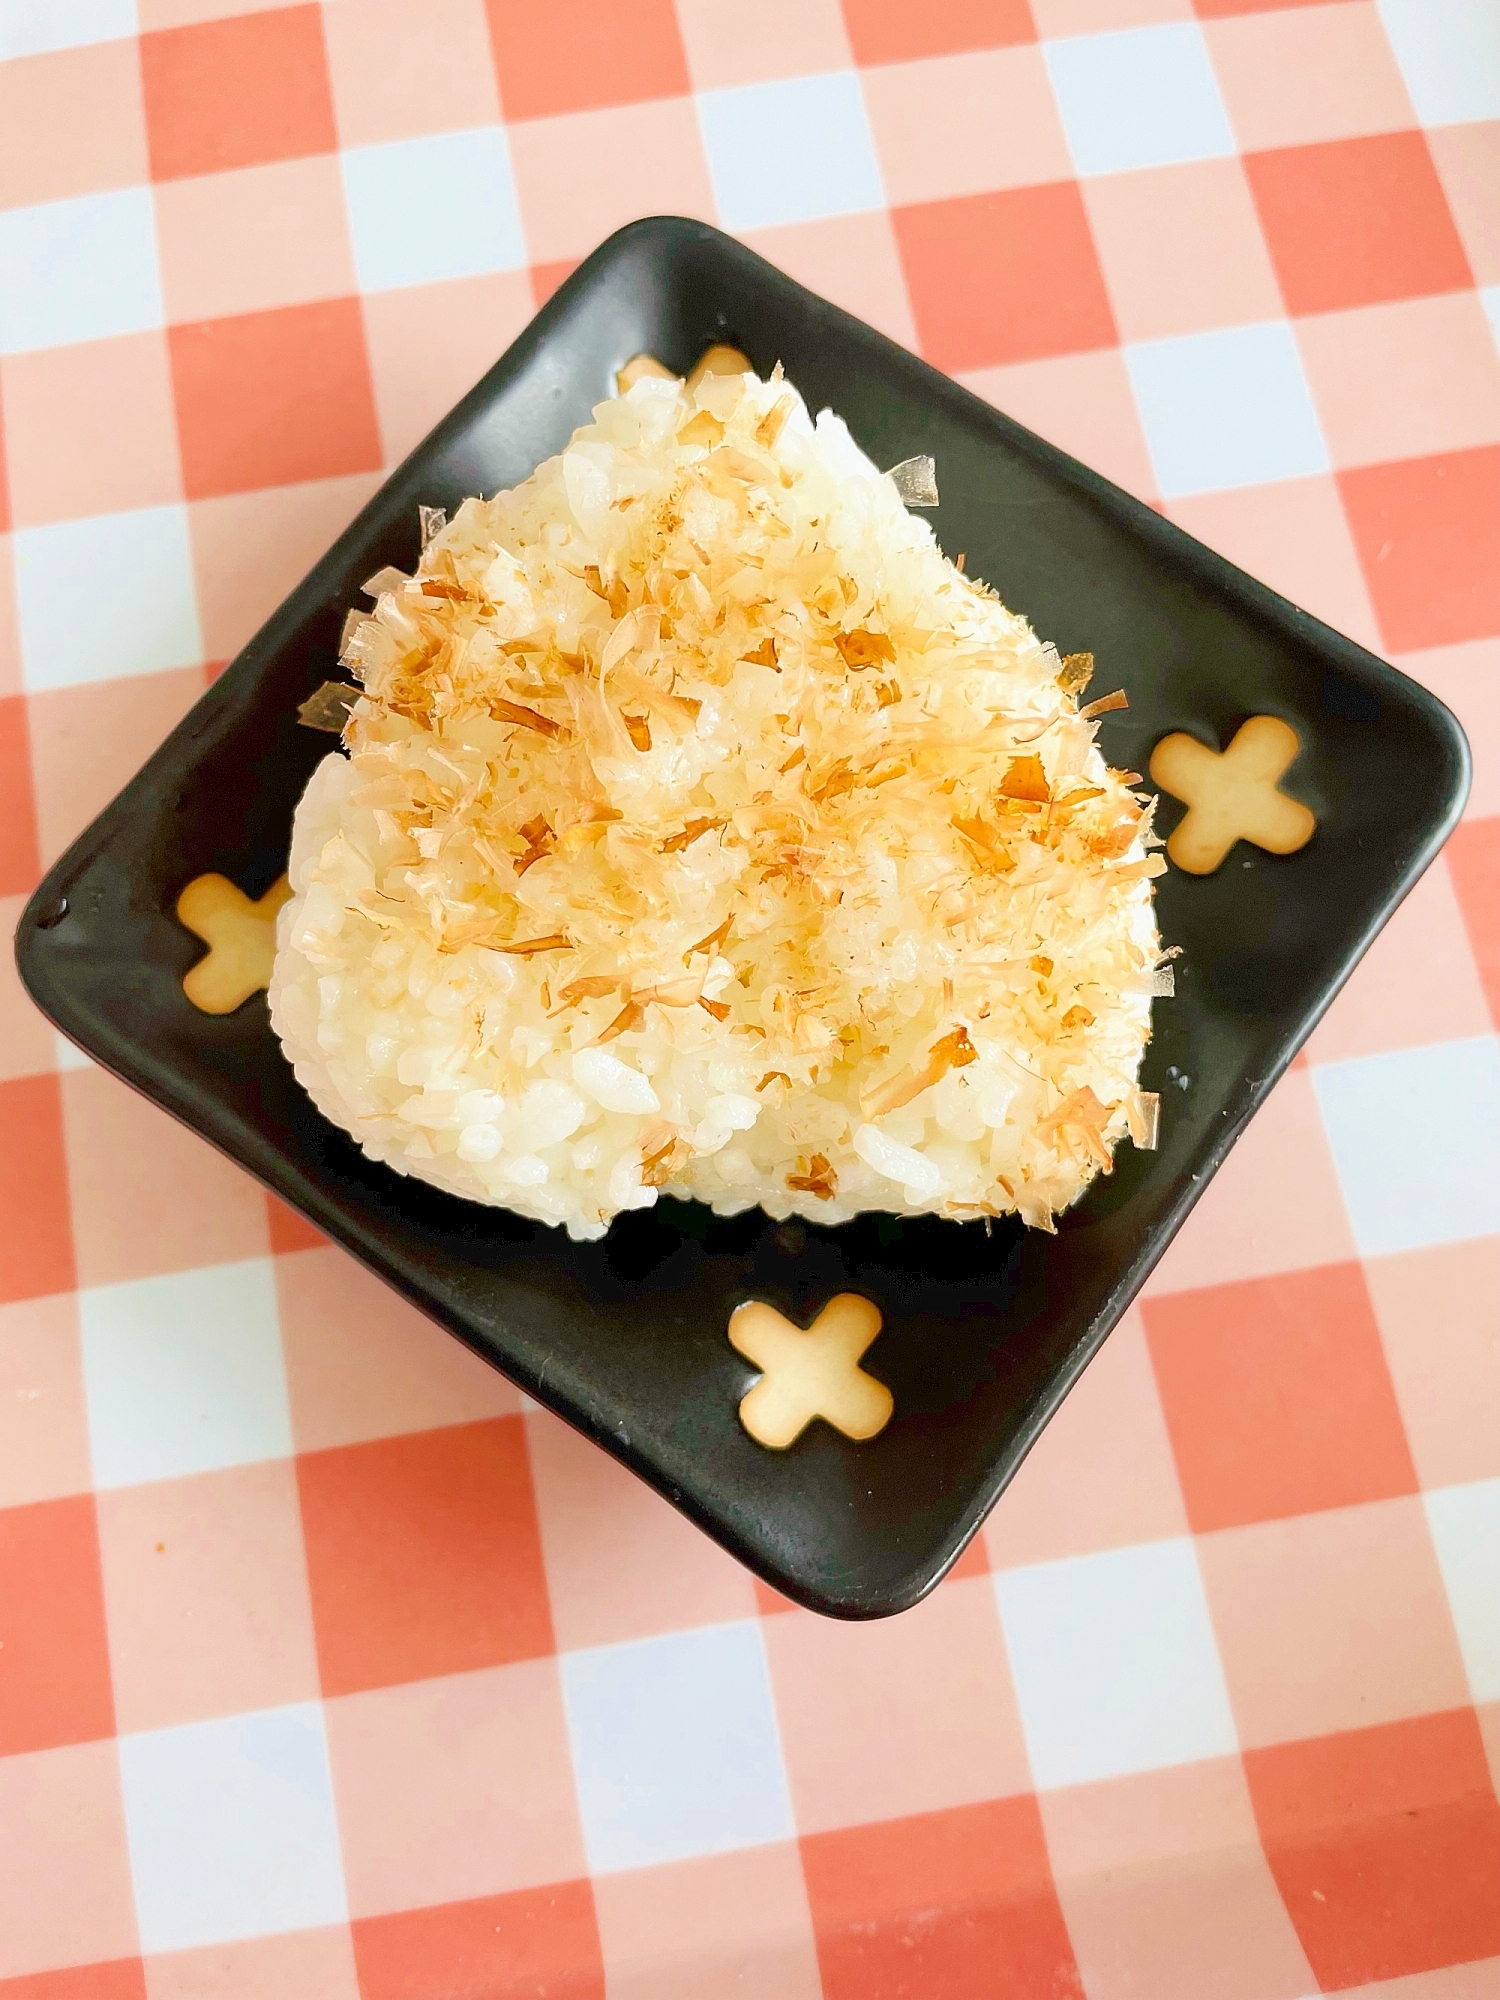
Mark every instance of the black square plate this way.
pixel 983 1334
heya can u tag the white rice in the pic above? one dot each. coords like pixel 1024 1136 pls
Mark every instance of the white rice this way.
pixel 703 713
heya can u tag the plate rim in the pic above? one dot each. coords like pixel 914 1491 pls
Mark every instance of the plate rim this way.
pixel 214 715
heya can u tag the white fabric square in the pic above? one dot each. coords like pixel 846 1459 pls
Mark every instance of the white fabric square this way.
pixel 675 1747
pixel 422 210
pixel 78 270
pixel 1229 408
pixel 1489 296
pixel 232 1829
pixel 1449 53
pixel 99 599
pixel 1115 1663
pixel 184 1373
pixel 33 27
pixel 790 151
pixel 1465 1523
pixel 1139 97
pixel 1416 1139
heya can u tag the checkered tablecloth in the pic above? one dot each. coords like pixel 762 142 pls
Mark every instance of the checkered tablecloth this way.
pixel 329 1669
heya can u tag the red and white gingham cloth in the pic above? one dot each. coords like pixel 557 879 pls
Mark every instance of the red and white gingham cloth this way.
pixel 326 1667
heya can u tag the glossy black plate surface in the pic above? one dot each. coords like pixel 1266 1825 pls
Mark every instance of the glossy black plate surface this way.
pixel 626 1338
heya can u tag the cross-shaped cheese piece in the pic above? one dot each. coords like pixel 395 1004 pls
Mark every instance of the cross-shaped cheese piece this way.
pixel 1232 796
pixel 811 1374
pixel 241 940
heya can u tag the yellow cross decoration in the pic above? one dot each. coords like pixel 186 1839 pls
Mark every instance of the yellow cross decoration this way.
pixel 241 940
pixel 810 1374
pixel 1233 795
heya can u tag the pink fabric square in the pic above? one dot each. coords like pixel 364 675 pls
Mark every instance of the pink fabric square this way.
pixel 908 1715
pixel 1418 524
pixel 1181 249
pixel 27 1044
pixel 90 429
pixel 1056 18
pixel 251 549
pixel 1332 1621
pixel 1293 77
pixel 297 1965
pixel 205 1589
pixel 87 742
pixel 719 1924
pixel 181 1205
pixel 185 13
pixel 1294 535
pixel 1217 10
pixel 1438 1323
pixel 1081 402
pixel 274 399
pixel 74 123
pixel 851 260
pixel 111 1979
pixel 1166 1890
pixel 733 45
pixel 1394 1887
pixel 1467 158
pixel 401 69
pixel 583 174
pixel 361 1363
pixel 1403 380
pixel 429 345
pixel 1478 1980
pixel 1467 678
pixel 454 1788
pixel 65 1831
pixel 1277 1397
pixel 423 1555
pixel 44 1438
pixel 254 238
pixel 966 124
pixel 1275 1204
pixel 1102 1474
pixel 1417 984
pixel 621 1563
pixel 956 1905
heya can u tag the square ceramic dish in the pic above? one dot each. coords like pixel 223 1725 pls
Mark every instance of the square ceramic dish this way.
pixel 983 1333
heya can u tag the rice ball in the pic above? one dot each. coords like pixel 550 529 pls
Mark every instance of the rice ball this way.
pixel 704 831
